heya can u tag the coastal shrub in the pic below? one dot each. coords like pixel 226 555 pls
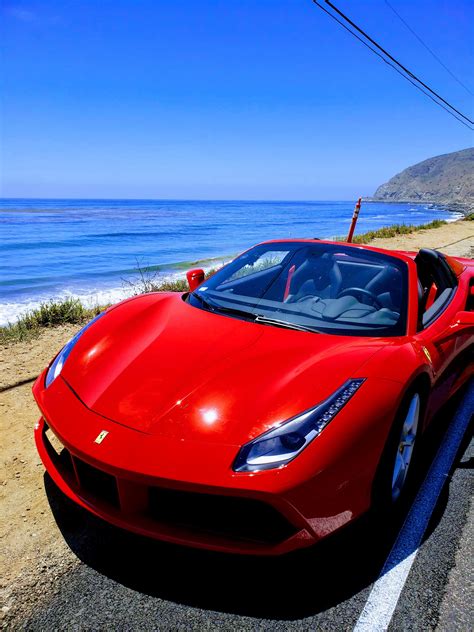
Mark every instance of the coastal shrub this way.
pixel 48 314
pixel 54 313
pixel 149 280
pixel 176 285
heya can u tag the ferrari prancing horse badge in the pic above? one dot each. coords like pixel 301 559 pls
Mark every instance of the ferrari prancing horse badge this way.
pixel 101 436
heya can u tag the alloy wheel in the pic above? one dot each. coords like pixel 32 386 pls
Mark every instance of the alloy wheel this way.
pixel 406 445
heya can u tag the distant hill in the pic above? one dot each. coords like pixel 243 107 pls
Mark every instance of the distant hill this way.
pixel 446 179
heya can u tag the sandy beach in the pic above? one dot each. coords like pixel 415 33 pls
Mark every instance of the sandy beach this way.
pixel 34 552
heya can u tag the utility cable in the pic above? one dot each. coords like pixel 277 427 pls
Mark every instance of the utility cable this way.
pixel 427 47
pixel 397 66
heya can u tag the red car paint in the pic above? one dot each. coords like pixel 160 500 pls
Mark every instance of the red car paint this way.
pixel 176 391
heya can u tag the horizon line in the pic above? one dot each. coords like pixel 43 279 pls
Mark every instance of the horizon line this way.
pixel 170 199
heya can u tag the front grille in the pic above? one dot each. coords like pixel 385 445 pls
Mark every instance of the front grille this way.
pixel 97 483
pixel 227 516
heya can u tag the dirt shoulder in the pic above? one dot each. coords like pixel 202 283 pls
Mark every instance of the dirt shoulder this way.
pixel 34 552
pixel 455 238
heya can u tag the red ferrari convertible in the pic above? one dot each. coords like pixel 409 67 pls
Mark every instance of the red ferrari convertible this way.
pixel 269 406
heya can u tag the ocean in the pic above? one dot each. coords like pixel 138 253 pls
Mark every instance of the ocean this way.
pixel 90 248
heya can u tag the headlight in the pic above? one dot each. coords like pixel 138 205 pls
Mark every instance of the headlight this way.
pixel 58 362
pixel 280 445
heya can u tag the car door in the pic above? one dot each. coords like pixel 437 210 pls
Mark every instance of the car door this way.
pixel 448 355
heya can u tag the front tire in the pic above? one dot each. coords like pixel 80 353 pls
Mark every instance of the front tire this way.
pixel 398 461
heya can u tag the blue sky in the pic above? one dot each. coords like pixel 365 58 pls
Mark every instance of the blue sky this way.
pixel 254 99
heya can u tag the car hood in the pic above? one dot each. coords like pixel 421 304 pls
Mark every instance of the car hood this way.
pixel 161 366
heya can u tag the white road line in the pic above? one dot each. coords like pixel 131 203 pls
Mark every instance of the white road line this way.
pixel 383 598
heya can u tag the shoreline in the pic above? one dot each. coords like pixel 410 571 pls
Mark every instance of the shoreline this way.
pixel 14 311
pixel 465 208
pixel 165 252
pixel 457 236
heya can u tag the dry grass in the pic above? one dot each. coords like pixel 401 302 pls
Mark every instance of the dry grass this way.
pixel 393 231
pixel 149 280
pixel 49 314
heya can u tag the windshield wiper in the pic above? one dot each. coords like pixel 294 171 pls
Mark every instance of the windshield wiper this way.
pixel 265 320
pixel 214 307
pixel 257 318
pixel 202 300
pixel 234 312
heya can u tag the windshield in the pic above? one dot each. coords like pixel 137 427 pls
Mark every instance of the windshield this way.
pixel 312 286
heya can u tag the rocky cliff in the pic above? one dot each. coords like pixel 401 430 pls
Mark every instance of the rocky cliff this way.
pixel 446 179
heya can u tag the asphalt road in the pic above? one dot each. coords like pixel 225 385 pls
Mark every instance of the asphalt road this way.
pixel 127 582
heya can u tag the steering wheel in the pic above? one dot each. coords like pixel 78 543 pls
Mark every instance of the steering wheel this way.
pixel 362 292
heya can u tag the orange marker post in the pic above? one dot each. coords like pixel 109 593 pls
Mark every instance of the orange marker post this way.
pixel 355 215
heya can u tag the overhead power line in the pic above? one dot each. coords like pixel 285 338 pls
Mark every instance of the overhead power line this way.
pixel 391 65
pixel 427 47
pixel 394 63
pixel 400 65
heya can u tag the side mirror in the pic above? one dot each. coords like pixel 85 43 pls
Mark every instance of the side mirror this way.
pixel 195 278
pixel 463 321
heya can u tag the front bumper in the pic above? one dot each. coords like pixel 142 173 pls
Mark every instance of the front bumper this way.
pixel 218 521
pixel 188 493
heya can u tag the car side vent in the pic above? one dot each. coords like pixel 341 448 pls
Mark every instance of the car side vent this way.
pixel 470 297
